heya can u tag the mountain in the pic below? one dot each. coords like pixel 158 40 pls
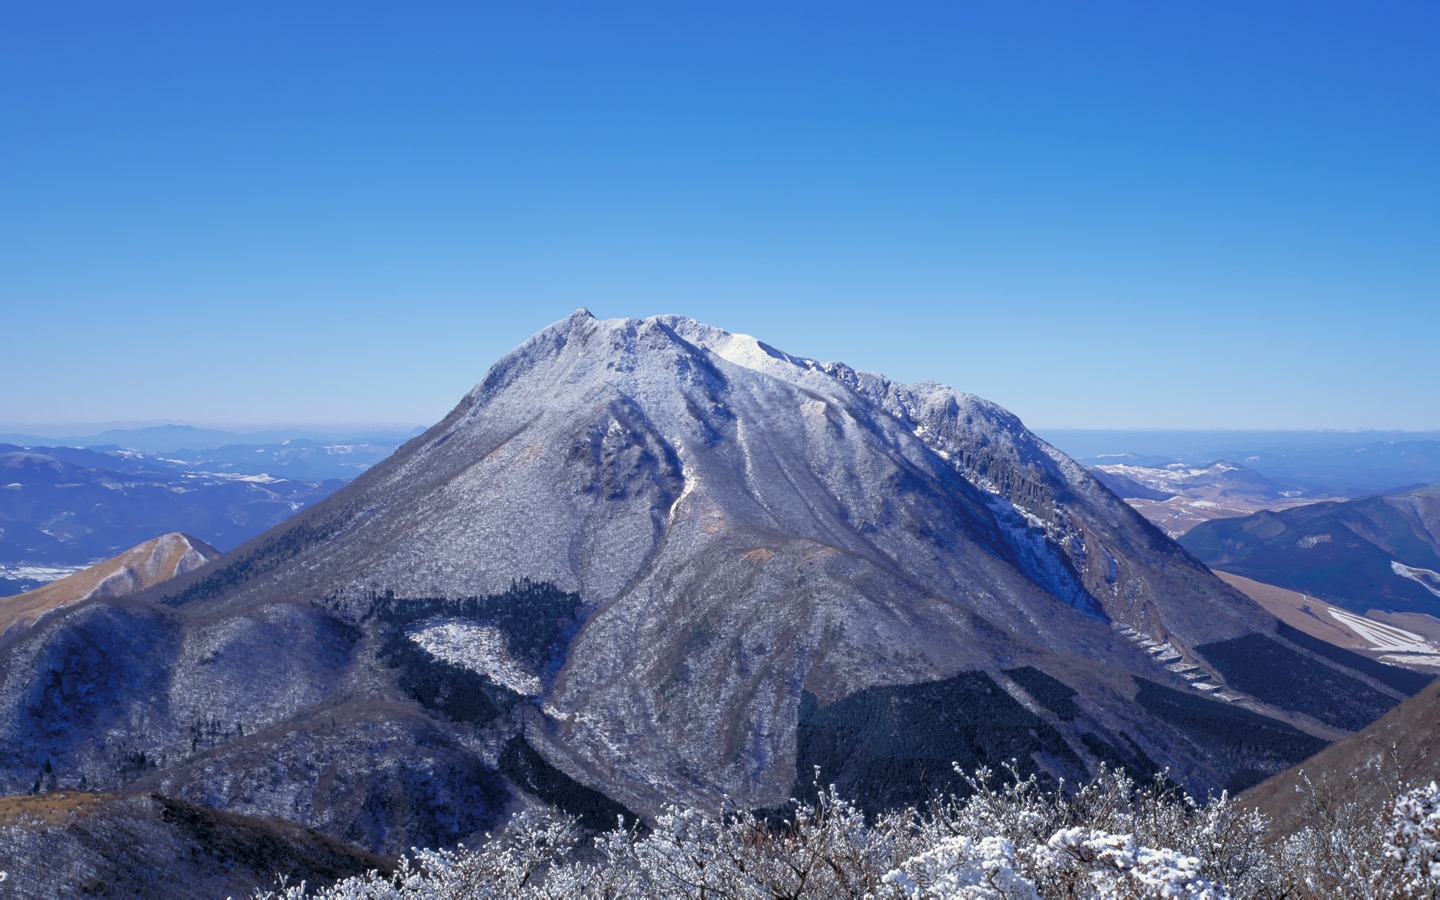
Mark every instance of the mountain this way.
pixel 142 566
pixel 65 509
pixel 108 459
pixel 1177 497
pixel 1365 769
pixel 160 438
pixel 72 844
pixel 1127 488
pixel 1375 553
pixel 650 561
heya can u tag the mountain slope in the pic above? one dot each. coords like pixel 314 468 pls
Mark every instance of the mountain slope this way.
pixel 1373 553
pixel 699 566
pixel 1365 768
pixel 142 566
pixel 68 844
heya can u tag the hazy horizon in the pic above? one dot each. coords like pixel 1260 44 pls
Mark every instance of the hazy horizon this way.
pixel 86 429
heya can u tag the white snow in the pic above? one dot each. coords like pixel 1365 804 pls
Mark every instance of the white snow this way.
pixel 1414 659
pixel 1167 477
pixel 962 867
pixel 1121 867
pixel 1386 638
pixel 479 648
pixel 38 573
pixel 690 481
pixel 1415 837
pixel 1427 579
pixel 253 479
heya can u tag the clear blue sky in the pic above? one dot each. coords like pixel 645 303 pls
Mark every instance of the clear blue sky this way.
pixel 1147 214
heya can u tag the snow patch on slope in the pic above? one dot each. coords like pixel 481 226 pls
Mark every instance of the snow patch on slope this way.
pixel 1427 579
pixel 1400 645
pixel 479 648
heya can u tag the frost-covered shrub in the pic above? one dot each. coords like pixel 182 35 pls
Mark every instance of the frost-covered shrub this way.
pixel 1117 867
pixel 1011 839
pixel 515 863
pixel 823 849
pixel 1343 850
pixel 1415 839
pixel 961 867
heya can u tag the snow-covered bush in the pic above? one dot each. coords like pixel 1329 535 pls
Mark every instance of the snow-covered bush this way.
pixel 1117 867
pixel 1010 839
pixel 961 867
pixel 1343 850
pixel 1414 839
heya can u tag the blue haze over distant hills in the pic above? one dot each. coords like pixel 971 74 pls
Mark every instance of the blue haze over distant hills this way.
pixel 163 438
pixel 71 501
pixel 1347 462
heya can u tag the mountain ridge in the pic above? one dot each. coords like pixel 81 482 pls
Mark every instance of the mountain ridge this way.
pixel 142 566
pixel 1380 552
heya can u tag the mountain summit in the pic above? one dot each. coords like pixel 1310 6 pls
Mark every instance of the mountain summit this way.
pixel 142 566
pixel 699 567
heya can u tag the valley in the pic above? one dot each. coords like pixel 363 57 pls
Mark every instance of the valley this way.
pixel 1405 639
pixel 1177 497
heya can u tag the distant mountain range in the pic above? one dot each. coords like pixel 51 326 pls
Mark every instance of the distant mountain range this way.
pixel 1177 497
pixel 1341 463
pixel 63 508
pixel 298 458
pixel 651 561
pixel 60 510
pixel 1375 553
pixel 170 438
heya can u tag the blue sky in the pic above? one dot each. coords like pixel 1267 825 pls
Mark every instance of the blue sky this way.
pixel 1099 215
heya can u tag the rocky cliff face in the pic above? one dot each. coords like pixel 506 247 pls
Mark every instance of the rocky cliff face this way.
pixel 709 565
